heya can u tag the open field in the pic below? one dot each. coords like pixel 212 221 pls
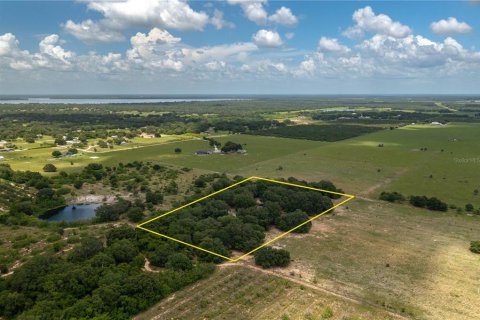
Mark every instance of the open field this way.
pixel 243 293
pixel 361 167
pixel 410 261
pixel 259 149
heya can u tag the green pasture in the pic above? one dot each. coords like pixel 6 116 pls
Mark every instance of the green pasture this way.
pixel 358 165
pixel 259 149
pixel 361 167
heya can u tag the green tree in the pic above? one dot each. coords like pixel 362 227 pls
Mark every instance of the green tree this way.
pixel 135 214
pixel 123 250
pixel 122 232
pixel 56 154
pixel 87 248
pixel 230 146
pixel 154 197
pixel 269 257
pixel 49 168
pixel 179 261
pixel 291 220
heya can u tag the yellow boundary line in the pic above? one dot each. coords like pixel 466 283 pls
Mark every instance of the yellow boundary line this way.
pixel 140 226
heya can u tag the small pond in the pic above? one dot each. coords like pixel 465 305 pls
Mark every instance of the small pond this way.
pixel 73 212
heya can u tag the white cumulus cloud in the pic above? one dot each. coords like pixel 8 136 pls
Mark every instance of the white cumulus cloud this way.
pixel 253 10
pixel 284 16
pixel 367 21
pixel 450 26
pixel 120 15
pixel 332 45
pixel 267 39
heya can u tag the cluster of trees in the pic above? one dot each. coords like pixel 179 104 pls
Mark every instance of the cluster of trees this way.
pixel 36 194
pixel 432 203
pixel 230 146
pixel 237 219
pixel 331 132
pixel 96 280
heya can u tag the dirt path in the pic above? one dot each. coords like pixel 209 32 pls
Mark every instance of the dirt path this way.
pixel 382 184
pixel 147 266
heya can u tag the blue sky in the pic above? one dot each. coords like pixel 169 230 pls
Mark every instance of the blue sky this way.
pixel 236 46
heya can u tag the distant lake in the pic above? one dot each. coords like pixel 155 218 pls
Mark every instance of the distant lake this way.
pixel 77 212
pixel 106 100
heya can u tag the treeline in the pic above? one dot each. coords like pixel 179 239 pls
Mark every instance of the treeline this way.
pixel 103 125
pixel 331 132
pixel 430 203
pixel 102 278
pixel 394 116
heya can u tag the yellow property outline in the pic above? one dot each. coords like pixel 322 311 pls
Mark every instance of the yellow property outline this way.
pixel 140 226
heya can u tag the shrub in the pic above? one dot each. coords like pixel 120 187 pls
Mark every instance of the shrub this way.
pixel 475 246
pixel 269 257
pixel 327 313
pixel 469 207
pixel 178 150
pixel 391 196
pixel 49 168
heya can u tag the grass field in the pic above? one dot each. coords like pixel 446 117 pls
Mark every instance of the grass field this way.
pixel 259 149
pixel 361 167
pixel 410 261
pixel 241 293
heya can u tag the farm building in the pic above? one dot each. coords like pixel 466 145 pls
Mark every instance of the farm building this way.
pixel 147 135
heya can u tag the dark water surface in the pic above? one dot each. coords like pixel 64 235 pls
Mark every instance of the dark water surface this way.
pixel 72 212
